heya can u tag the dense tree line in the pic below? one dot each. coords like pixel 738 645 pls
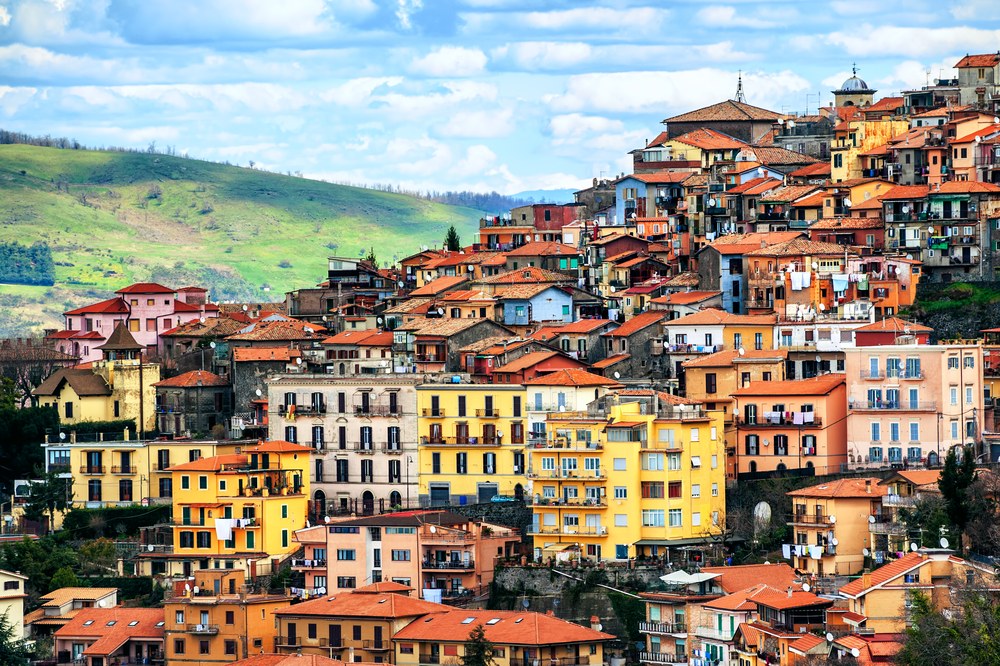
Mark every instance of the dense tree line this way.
pixel 26 264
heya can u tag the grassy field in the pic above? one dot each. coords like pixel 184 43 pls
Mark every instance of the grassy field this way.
pixel 116 218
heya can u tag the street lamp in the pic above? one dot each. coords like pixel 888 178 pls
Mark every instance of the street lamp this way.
pixel 409 459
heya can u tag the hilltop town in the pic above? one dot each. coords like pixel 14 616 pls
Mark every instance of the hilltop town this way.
pixel 699 388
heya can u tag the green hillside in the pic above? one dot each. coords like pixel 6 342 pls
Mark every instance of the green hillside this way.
pixel 115 218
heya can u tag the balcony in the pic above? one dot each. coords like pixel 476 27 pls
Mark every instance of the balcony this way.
pixel 428 658
pixel 564 443
pixel 162 466
pixel 92 469
pixel 491 413
pixel 810 519
pixel 308 564
pixel 552 661
pixel 60 468
pixel 663 657
pixel 575 475
pixel 578 530
pixel 899 500
pixel 662 628
pixel 884 525
pixel 429 412
pixel 962 261
pixel 429 358
pixel 310 410
pixel 290 641
pixel 123 469
pixel 684 348
pixel 376 645
pixel 716 210
pixel 202 629
pixel 377 410
pixel 576 502
pixel 460 441
pixel 782 419
pixel 863 405
pixel 453 565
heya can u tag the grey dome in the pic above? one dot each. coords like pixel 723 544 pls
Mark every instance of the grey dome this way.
pixel 854 84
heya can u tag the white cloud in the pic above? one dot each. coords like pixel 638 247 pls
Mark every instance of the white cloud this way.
pixel 668 92
pixel 4 16
pixel 481 124
pixel 726 16
pixel 854 7
pixel 450 61
pixel 406 8
pixel 572 128
pixel 639 19
pixel 477 159
pixel 544 55
pixel 884 41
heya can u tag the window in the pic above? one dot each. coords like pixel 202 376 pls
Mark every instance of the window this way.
pixel 876 432
pixel 652 462
pixel 400 555
pixel 230 617
pixel 69 410
pixel 875 454
pixel 346 554
pixel 953 395
pixel 696 490
pixel 346 582
pixel 179 646
pixel 202 483
pixel 621 492
pixel 621 520
pixel 914 431
pixel 953 363
pixel 715 490
pixel 203 647
pixel 618 464
pixel 230 647
pixel 676 518
pixel 94 490
pixel 674 489
pixel 710 382
pixel 652 489
pixel 894 432
pixel 674 462
pixel 652 518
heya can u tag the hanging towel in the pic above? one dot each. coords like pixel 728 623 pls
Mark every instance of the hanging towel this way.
pixel 224 528
pixel 863 283
pixel 786 551
pixel 798 418
pixel 816 552
pixel 839 282
pixel 806 280
pixel 809 417
pixel 796 281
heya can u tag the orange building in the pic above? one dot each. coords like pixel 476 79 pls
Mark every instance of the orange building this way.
pixel 792 424
pixel 104 636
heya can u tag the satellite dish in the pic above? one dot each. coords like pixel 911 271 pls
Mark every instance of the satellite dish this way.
pixel 618 375
pixel 835 541
pixel 913 546
pixel 201 319
pixel 712 202
pixel 245 308
pixel 781 121
pixel 855 652
pixel 471 268
pixel 196 589
pixel 905 209
pixel 562 408
pixel 866 552
pixel 62 435
pixel 791 124
pixel 401 284
pixel 930 230
pixel 822 307
pixel 212 345
pixel 187 587
pixel 326 519
pixel 815 265
pixel 323 318
pixel 380 321
pixel 440 311
pixel 258 393
pixel 829 637
pixel 525 603
pixel 151 548
pixel 433 530
pixel 805 587
pixel 833 520
pixel 943 542
pixel 848 203
pixel 742 352
pixel 996 120
pixel 979 139
pixel 298 361
pixel 871 519
pixel 611 289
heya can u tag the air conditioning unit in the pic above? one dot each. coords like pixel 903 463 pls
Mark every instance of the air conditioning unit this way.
pixel 22 488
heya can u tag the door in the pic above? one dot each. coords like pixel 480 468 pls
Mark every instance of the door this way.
pixel 487 491
pixel 621 551
pixel 368 503
pixel 334 635
pixel 440 495
pixel 292 639
pixel 378 638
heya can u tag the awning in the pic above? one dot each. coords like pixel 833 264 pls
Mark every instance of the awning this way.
pixel 684 578
pixel 696 541
pixel 559 547
pixel 854 619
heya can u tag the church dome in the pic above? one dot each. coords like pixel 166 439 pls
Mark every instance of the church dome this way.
pixel 854 84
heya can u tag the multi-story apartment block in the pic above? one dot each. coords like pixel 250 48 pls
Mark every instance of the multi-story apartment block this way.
pixel 913 402
pixel 471 442
pixel 104 636
pixel 122 473
pixel 234 511
pixel 60 606
pixel 445 555
pixel 637 473
pixel 903 489
pixel 560 391
pixel 218 621
pixel 363 433
pixel 791 425
pixel 830 525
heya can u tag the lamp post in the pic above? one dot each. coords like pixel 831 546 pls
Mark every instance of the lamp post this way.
pixel 408 461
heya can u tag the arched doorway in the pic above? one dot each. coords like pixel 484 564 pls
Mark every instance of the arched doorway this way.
pixel 753 466
pixel 319 503
pixel 343 369
pixel 519 492
pixel 367 503
pixel 932 459
pixel 781 467
pixel 395 500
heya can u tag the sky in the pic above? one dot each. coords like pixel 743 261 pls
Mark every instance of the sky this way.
pixel 505 95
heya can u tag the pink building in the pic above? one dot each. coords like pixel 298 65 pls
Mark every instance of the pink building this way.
pixel 908 404
pixel 149 309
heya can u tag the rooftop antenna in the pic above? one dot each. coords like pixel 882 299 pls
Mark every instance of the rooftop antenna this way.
pixel 740 97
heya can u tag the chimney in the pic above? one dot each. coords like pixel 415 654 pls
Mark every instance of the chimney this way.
pixel 789 591
pixel 868 486
pixel 550 613
pixel 595 623
pixel 866 580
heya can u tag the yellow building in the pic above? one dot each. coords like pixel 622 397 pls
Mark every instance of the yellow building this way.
pixel 12 596
pixel 858 137
pixel 637 474
pixel 471 442
pixel 120 386
pixel 234 511
pixel 126 472
pixel 217 621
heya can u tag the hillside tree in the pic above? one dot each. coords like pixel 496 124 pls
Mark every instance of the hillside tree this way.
pixel 479 650
pixel 52 494
pixel 956 478
pixel 451 240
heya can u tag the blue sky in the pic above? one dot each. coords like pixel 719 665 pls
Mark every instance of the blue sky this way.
pixel 508 95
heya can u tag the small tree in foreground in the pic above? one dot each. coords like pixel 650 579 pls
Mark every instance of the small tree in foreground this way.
pixel 13 651
pixel 479 650
pixel 451 240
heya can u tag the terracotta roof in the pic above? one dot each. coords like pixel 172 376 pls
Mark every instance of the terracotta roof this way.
pixel 714 316
pixel 821 385
pixel 658 140
pixel 585 325
pixel 526 274
pixel 885 104
pixel 279 446
pixel 918 477
pixel 742 600
pixel 686 297
pixel 292 660
pixel 501 627
pixel 737 244
pixel 528 360
pixel 894 325
pixel 380 339
pixel 843 488
pixel 464 296
pixel 191 379
pixel 688 279
pixel 121 340
pixel 818 169
pixel 778 575
pixel 544 248
pixel 787 194
pixel 847 223
pixel 905 192
pixel 110 638
pixel 811 201
pixel 662 177
pixel 965 187
pixel 708 139
pixel 110 306
pixel 145 288
pixel 212 326
pixel 884 574
pixel 755 186
pixel 351 337
pixel 636 323
pixel 980 60
pixel 83 382
pixel 522 291
pixel 727 110
pixel 259 354
pixel 211 463
pixel 384 586
pixel 797 599
pixel 279 331
pixel 724 359
pixel 875 203
pixel 806 643
pixel 768 155
pixel 385 605
pixel 410 305
pixel 571 377
pixel 610 361
pixel 440 285
pixel 441 327
pixel 797 247
pixel 984 133
pixel 486 343
pixel 63 596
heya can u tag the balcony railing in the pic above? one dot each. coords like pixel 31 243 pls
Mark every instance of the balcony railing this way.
pixel 311 408
pixel 123 469
pixel 377 410
pixel 684 348
pixel 432 413
pixel 899 500
pixel 810 519
pixel 60 468
pixel 202 628
pixel 576 474
pixel 582 530
pixel 450 564
pixel 427 658
pixel 460 441
pixel 376 645
pixel 564 443
pixel 491 413
pixel 552 661
pixel 92 469
pixel 574 503
pixel 663 657
pixel 662 628
pixel 795 419
pixel 884 526
pixel 288 640
pixel 893 405
pixel 308 564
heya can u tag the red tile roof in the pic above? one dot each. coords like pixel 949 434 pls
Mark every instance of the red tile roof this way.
pixel 280 446
pixel 383 339
pixel 820 385
pixel 726 358
pixel 211 463
pixel 544 248
pixel 965 187
pixel 501 627
pixel 768 155
pixel 884 574
pixel 714 316
pixel 145 288
pixel 788 193
pixel 843 488
pixel 258 354
pixel 737 244
pixel 894 325
pixel 585 325
pixel 351 337
pixel 708 139
pixel 818 169
pixel 110 638
pixel 110 306
pixel 439 285
pixel 686 297
pixel 636 323
pixel 727 110
pixel 885 104
pixel 797 599
pixel 979 60
pixel 193 379
pixel 571 377
pixel 755 185
pixel 732 579
pixel 741 600
pixel 527 274
pixel 662 177
pixel 385 605
pixel 798 247
pixel 528 360
pixel 611 360
pixel 847 223
pixel 384 586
